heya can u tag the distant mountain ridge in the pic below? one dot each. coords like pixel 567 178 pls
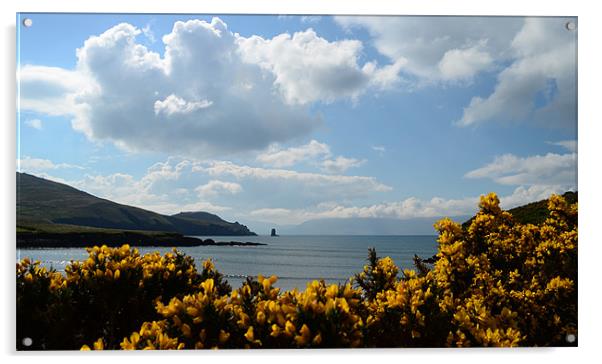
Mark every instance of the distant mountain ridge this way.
pixel 40 201
pixel 367 226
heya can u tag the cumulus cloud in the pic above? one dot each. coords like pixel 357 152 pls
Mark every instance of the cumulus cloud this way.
pixel 309 68
pixel 36 165
pixel 433 49
pixel 534 58
pixel 315 153
pixel 34 123
pixel 53 90
pixel 277 157
pixel 211 100
pixel 540 84
pixel 215 187
pixel 215 88
pixel 459 64
pixel 549 169
pixel 340 164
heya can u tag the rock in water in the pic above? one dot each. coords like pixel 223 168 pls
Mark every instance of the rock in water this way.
pixel 273 233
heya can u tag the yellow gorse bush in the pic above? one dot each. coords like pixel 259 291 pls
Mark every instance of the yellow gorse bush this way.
pixel 494 283
pixel 108 295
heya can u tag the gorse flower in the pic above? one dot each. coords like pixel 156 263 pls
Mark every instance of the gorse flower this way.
pixel 495 282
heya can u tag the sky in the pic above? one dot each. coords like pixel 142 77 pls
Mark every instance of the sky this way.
pixel 276 120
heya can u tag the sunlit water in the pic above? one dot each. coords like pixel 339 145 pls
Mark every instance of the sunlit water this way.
pixel 294 259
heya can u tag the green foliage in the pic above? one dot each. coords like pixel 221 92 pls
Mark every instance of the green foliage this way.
pixel 378 275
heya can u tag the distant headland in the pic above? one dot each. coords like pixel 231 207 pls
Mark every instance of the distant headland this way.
pixel 52 214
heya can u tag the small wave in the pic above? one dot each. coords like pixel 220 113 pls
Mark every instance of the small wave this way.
pixel 236 276
pixel 309 279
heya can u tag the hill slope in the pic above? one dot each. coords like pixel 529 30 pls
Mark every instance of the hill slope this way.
pixel 537 212
pixel 40 201
pixel 534 212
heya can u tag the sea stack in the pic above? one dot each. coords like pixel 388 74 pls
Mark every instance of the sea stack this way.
pixel 273 233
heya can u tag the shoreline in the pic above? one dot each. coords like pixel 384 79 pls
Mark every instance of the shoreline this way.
pixel 134 239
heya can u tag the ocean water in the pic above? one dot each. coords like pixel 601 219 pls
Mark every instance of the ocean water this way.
pixel 295 259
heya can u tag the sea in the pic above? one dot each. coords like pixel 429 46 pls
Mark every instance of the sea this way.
pixel 294 259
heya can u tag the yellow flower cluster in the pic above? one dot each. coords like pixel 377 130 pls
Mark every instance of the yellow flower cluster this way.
pixel 109 294
pixel 496 282
pixel 509 284
pixel 256 316
pixel 113 264
pixel 32 273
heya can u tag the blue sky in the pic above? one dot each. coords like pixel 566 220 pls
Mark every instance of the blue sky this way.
pixel 283 119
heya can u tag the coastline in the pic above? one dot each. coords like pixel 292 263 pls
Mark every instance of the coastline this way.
pixel 27 239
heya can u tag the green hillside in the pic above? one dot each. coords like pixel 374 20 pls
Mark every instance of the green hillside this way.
pixel 41 202
pixel 533 213
pixel 537 212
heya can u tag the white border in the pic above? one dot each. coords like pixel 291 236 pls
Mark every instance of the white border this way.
pixel 589 164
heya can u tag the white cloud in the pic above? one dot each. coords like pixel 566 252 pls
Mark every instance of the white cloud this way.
pixel 345 184
pixel 148 33
pixel 307 67
pixel 386 77
pixel 176 105
pixel 534 58
pixel 117 83
pixel 433 49
pixel 162 173
pixel 310 19
pixel 36 165
pixel 215 87
pixel 460 64
pixel 215 187
pixel 549 169
pixel 523 195
pixel 34 123
pixel 153 191
pixel 340 164
pixel 544 68
pixel 379 148
pixel 53 90
pixel 411 207
pixel 184 185
pixel 311 152
pixel 168 187
pixel 277 157
pixel 570 145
